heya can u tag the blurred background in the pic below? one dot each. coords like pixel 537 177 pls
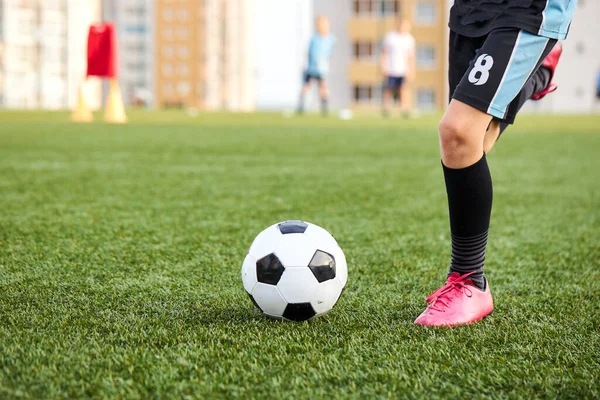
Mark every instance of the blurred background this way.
pixel 246 55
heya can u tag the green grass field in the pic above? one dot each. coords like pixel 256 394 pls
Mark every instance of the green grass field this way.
pixel 121 247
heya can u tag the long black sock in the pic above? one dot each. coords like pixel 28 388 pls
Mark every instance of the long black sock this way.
pixel 538 82
pixel 470 204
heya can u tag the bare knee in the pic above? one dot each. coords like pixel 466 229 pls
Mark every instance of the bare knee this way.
pixel 454 133
pixel 323 92
pixel 462 130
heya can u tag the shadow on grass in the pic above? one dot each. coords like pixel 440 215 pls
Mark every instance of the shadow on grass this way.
pixel 227 314
pixel 351 310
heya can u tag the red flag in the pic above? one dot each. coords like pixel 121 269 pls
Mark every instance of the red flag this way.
pixel 102 51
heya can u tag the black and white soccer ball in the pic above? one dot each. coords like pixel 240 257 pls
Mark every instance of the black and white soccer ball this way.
pixel 294 270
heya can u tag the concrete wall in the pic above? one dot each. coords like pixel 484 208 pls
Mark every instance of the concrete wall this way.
pixel 43 53
pixel 578 67
pixel 430 80
pixel 283 29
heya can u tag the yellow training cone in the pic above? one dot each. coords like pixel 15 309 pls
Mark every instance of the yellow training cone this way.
pixel 82 112
pixel 115 110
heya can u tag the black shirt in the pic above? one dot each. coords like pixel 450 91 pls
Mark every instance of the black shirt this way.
pixel 549 18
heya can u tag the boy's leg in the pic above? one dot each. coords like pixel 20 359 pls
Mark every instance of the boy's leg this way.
pixel 388 96
pixel 385 101
pixel 492 135
pixel 405 98
pixel 496 75
pixel 303 92
pixel 324 94
pixel 500 70
pixel 461 133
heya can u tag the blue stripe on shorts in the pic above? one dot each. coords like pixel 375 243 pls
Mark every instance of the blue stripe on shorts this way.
pixel 526 55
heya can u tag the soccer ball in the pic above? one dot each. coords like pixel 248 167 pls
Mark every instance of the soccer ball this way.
pixel 294 270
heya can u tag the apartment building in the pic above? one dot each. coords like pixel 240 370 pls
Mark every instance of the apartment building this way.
pixel 205 54
pixel 134 22
pixel 42 52
pixel 370 20
pixel 180 69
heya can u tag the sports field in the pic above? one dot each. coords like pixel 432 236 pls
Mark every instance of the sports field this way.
pixel 121 247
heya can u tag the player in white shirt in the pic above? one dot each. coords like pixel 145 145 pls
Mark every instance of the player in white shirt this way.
pixel 398 65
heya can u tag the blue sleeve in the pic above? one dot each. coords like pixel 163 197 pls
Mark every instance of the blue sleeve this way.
pixel 312 44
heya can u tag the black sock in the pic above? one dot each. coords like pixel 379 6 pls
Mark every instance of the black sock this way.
pixel 470 204
pixel 538 82
pixel 324 106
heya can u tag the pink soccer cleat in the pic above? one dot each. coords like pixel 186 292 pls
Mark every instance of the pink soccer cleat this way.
pixel 550 62
pixel 458 302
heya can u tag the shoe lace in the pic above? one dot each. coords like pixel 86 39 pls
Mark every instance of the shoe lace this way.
pixel 441 298
pixel 551 88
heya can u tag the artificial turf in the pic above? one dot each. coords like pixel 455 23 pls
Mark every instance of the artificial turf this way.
pixel 121 247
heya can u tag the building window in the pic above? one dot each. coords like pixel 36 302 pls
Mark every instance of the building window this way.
pixel 134 12
pixel 425 57
pixel 375 7
pixel 135 29
pixel 183 14
pixel 367 94
pixel 168 14
pixel 167 70
pixel 168 88
pixel 167 32
pixel 168 51
pixel 362 94
pixel 363 7
pixel 183 88
pixel 389 7
pixel 426 14
pixel 135 48
pixel 183 33
pixel 364 51
pixel 426 99
pixel 183 52
pixel 183 70
pixel 135 66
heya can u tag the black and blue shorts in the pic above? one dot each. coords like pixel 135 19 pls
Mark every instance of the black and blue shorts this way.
pixel 309 76
pixel 489 72
pixel 394 82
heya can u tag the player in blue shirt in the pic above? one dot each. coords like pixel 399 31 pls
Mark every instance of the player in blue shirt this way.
pixel 598 85
pixel 319 51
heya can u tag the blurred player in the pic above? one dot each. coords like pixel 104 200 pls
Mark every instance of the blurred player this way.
pixel 502 53
pixel 319 51
pixel 598 85
pixel 398 66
